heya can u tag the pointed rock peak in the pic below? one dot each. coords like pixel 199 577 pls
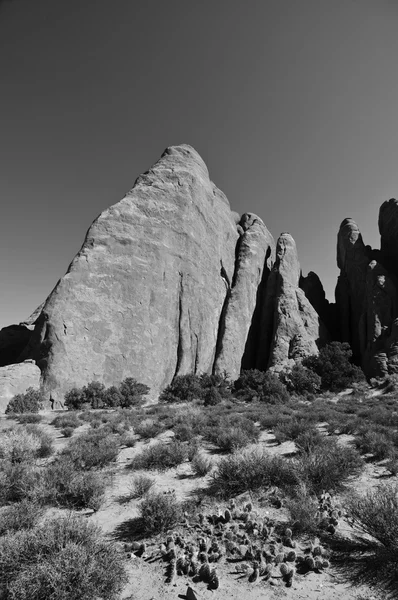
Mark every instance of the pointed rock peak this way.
pixel 388 227
pixel 388 211
pixel 287 262
pixel 349 238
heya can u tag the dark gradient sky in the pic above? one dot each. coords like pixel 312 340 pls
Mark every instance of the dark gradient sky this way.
pixel 292 104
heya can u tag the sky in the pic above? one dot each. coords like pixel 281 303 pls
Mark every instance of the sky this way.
pixel 292 104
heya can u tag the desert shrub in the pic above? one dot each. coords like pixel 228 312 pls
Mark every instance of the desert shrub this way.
pixel 67 431
pixel 183 432
pixel 112 397
pixel 300 380
pixel 303 510
pixel 148 428
pixel 159 512
pixel 94 394
pixel 375 440
pixel 392 464
pixel 75 399
pixel 29 402
pixel 132 392
pixel 19 481
pixel 183 388
pixel 62 559
pixel 292 429
pixel 19 445
pixel 252 469
pixel 201 465
pixel 25 418
pixel 211 396
pixel 140 486
pixel 66 420
pixel 192 447
pixel 22 515
pixel 375 514
pixel 309 440
pixel 262 386
pixel 328 466
pixel 128 440
pixel 334 367
pixel 66 486
pixel 160 456
pixel 92 450
pixel 230 432
pixel 46 447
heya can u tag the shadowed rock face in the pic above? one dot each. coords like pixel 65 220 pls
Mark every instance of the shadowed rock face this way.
pixel 291 328
pixel 366 293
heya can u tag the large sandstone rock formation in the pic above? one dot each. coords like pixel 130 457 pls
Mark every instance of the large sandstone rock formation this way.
pixel 366 293
pixel 290 328
pixel 170 281
pixel 16 379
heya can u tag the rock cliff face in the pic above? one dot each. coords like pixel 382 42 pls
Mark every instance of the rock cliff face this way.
pixel 366 293
pixel 170 281
pixel 16 379
pixel 291 328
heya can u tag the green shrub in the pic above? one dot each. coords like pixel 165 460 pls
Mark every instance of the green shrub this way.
pixel 303 510
pixel 67 431
pixel 19 481
pixel 132 392
pixel 160 512
pixel 22 515
pixel 29 402
pixel 160 456
pixel 113 397
pixel 94 394
pixel 67 420
pixel 309 440
pixel 262 386
pixel 329 466
pixel 140 486
pixel 183 432
pixel 334 367
pixel 62 559
pixel 67 486
pixel 148 428
pixel 92 450
pixel 183 388
pixel 292 429
pixel 229 439
pixel 26 418
pixel 301 381
pixel 19 445
pixel 201 465
pixel 375 440
pixel 75 399
pixel 46 447
pixel 251 470
pixel 211 396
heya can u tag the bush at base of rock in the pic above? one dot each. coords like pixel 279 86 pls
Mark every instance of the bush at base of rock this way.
pixel 29 402
pixel 334 367
pixel 129 394
pixel 262 386
pixel 301 381
pixel 211 389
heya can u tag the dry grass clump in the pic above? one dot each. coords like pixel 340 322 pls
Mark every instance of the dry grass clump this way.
pixel 63 559
pixel 251 470
pixel 91 450
pixel 159 512
pixel 160 456
pixel 201 465
pixel 140 486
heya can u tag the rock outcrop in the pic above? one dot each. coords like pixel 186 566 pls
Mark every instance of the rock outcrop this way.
pixel 16 379
pixel 170 281
pixel 366 293
pixel 238 336
pixel 290 328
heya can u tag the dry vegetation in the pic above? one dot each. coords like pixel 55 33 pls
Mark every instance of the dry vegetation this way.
pixel 256 493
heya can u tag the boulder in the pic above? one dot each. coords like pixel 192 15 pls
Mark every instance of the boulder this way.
pixel 16 379
pixel 290 328
pixel 255 255
pixel 144 296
